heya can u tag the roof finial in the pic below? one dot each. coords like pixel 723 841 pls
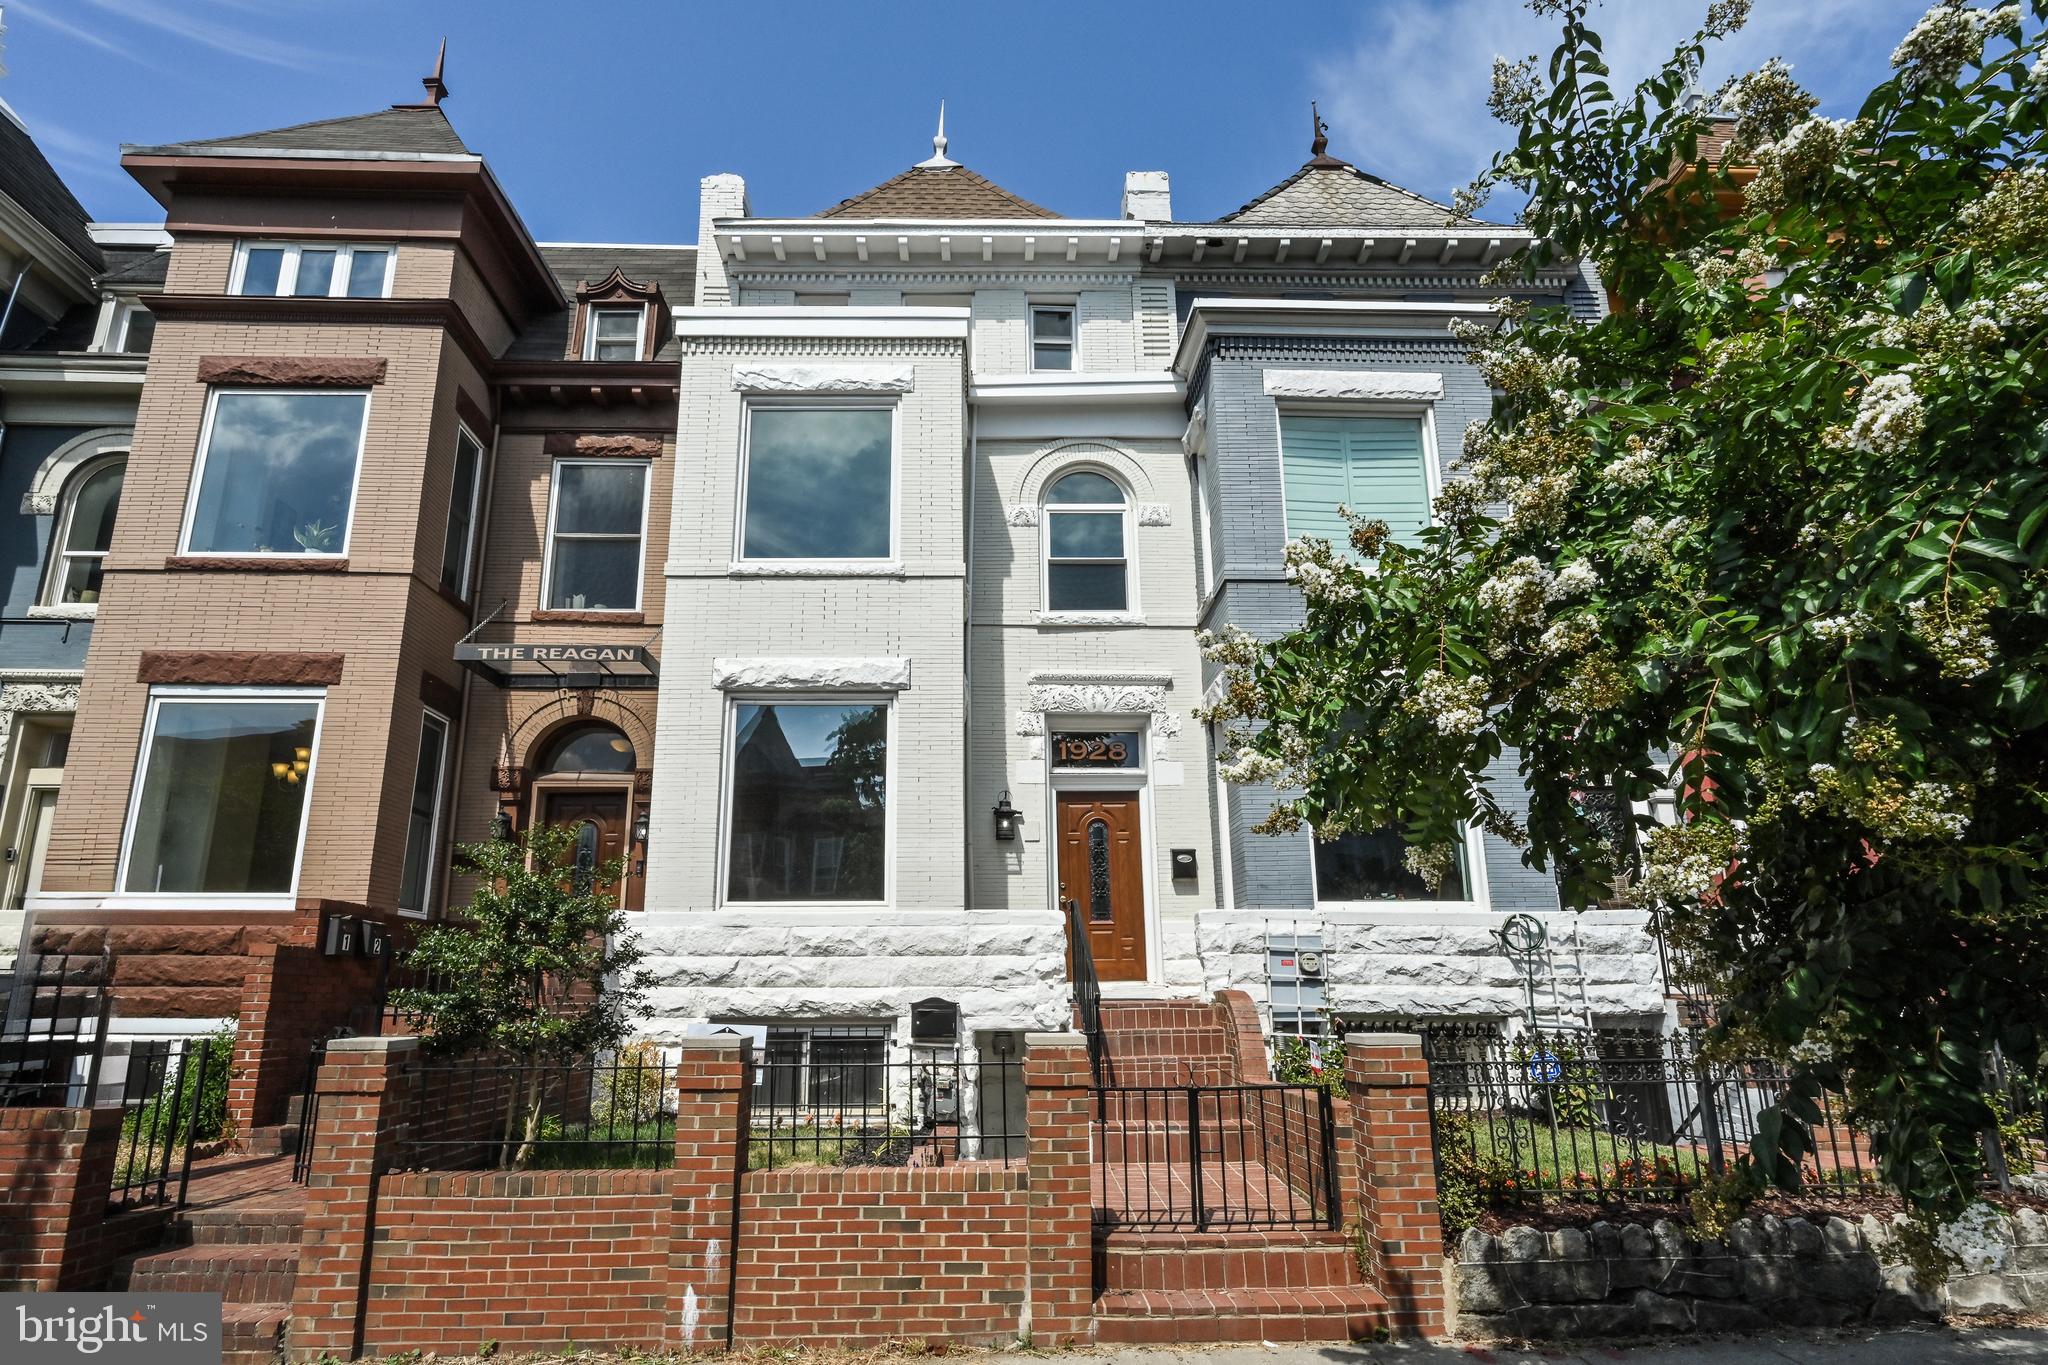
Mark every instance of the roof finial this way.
pixel 938 159
pixel 1319 149
pixel 437 89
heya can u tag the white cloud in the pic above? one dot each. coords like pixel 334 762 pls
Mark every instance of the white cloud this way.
pixel 1406 98
pixel 237 39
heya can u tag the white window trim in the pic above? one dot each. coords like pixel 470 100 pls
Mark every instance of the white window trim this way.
pixel 53 571
pixel 241 900
pixel 429 881
pixel 124 315
pixel 1425 413
pixel 639 312
pixel 547 572
pixel 886 564
pixel 476 495
pixel 206 449
pixel 1133 609
pixel 1480 891
pixel 891 798
pixel 1061 781
pixel 288 272
pixel 1073 343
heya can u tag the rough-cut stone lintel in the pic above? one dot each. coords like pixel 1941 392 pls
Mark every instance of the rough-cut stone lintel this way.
pixel 600 445
pixel 822 378
pixel 341 371
pixel 239 668
pixel 883 673
pixel 1391 386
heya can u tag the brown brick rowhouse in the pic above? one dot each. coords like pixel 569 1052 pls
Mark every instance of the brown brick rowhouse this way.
pixel 369 432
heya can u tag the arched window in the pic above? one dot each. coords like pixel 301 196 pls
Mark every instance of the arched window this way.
pixel 85 527
pixel 1087 564
pixel 591 748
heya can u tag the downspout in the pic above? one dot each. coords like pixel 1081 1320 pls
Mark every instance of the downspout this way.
pixel 13 292
pixel 967 662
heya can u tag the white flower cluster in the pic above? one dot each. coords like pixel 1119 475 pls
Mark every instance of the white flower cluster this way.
pixel 1686 861
pixel 1519 592
pixel 1313 567
pixel 1804 153
pixel 1889 416
pixel 1515 90
pixel 1568 635
pixel 2037 74
pixel 1576 579
pixel 1948 38
pixel 1958 636
pixel 1929 812
pixel 1456 706
pixel 2026 303
pixel 1650 541
pixel 1841 629
pixel 1979 1239
pixel 1247 766
pixel 1632 470
pixel 1432 863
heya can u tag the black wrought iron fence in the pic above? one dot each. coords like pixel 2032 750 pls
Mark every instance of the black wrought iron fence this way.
pixel 1087 986
pixel 1207 1158
pixel 2017 1147
pixel 1607 1115
pixel 54 1030
pixel 467 1113
pixel 173 1098
pixel 851 1109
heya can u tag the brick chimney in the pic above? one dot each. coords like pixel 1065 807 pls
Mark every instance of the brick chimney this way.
pixel 718 196
pixel 1147 196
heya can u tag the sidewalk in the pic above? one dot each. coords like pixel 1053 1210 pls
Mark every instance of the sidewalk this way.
pixel 1904 1346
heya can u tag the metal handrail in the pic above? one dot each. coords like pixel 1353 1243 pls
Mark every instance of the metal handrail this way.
pixel 1087 987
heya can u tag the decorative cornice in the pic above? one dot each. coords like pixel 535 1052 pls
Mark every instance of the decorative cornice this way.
pixel 616 288
pixel 1099 694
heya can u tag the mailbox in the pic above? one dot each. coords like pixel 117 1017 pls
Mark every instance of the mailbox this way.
pixel 340 938
pixel 1184 865
pixel 935 1022
pixel 374 940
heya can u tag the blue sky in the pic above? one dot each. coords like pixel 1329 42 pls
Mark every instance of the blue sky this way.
pixel 600 116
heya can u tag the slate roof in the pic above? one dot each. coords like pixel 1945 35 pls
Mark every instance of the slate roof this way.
pixel 949 192
pixel 401 128
pixel 1327 192
pixel 27 178
pixel 674 268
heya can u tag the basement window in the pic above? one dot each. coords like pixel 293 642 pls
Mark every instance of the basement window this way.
pixel 826 1066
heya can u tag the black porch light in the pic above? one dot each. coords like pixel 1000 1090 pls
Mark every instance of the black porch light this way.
pixel 1008 817
pixel 640 825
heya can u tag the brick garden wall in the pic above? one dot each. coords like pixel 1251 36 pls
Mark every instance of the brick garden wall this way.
pixel 56 1170
pixel 859 1256
pixel 534 1260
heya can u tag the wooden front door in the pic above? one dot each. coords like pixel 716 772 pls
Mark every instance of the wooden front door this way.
pixel 601 817
pixel 1102 874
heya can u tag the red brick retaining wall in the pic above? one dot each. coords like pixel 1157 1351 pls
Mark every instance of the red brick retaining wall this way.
pixel 860 1256
pixel 56 1171
pixel 533 1260
pixel 1393 1176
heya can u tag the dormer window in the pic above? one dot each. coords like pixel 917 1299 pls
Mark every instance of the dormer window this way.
pixel 616 333
pixel 619 320
pixel 316 270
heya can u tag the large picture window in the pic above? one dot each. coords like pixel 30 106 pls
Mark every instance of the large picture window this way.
pixel 819 484
pixel 277 472
pixel 808 802
pixel 1086 566
pixel 423 818
pixel 597 526
pixel 221 796
pixel 1376 466
pixel 1374 867
pixel 313 270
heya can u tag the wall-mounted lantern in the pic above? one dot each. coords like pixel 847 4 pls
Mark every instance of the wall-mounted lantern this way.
pixel 640 825
pixel 501 826
pixel 1008 818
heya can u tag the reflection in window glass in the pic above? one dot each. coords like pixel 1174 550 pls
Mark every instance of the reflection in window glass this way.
pixel 366 273
pixel 278 473
pixel 261 269
pixel 593 748
pixel 818 484
pixel 456 546
pixel 415 881
pixel 1052 338
pixel 88 531
pixel 808 807
pixel 1373 867
pixel 224 787
pixel 615 333
pixel 595 555
pixel 140 332
pixel 316 274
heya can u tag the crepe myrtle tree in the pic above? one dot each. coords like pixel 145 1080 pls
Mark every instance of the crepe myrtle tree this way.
pixel 538 968
pixel 1772 536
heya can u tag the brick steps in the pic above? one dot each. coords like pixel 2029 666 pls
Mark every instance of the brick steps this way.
pixel 252 1333
pixel 1127 1262
pixel 239 1272
pixel 229 1226
pixel 1159 1317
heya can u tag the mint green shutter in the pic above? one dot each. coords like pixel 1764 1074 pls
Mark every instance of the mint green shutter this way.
pixel 1373 465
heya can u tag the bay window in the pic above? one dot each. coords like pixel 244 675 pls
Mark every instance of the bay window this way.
pixel 597 529
pixel 423 818
pixel 807 801
pixel 222 792
pixel 818 484
pixel 1376 466
pixel 1374 867
pixel 277 472
pixel 459 544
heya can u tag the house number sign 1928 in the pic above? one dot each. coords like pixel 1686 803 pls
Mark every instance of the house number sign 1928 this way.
pixel 1106 750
